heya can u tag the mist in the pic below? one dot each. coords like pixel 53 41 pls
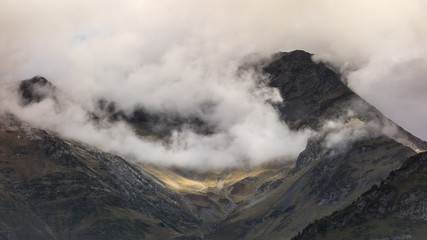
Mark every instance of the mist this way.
pixel 179 57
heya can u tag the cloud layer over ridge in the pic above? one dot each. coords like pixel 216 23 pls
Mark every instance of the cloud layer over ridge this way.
pixel 181 56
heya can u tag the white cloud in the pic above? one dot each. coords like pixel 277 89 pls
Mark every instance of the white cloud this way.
pixel 255 137
pixel 181 55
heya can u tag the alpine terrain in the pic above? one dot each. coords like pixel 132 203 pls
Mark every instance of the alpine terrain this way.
pixel 360 176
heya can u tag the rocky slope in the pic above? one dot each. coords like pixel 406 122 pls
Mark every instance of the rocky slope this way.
pixel 51 188
pixel 396 209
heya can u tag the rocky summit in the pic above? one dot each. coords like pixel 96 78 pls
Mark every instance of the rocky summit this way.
pixel 55 188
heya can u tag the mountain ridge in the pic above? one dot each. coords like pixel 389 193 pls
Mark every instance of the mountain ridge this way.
pixel 276 200
pixel 69 183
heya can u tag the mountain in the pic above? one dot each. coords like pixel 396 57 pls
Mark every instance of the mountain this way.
pixel 51 188
pixel 313 93
pixel 396 209
pixel 325 178
pixel 54 188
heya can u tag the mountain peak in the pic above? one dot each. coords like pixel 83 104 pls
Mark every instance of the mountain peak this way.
pixel 307 88
pixel 35 89
pixel 296 55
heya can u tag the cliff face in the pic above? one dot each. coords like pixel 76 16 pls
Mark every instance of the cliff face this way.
pixel 400 203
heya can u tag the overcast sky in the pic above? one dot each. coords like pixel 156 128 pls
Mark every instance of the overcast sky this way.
pixel 179 55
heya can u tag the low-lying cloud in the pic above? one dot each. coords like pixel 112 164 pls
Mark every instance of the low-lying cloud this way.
pixel 341 133
pixel 181 56
pixel 255 137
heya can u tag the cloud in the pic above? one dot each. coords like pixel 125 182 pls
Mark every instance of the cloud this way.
pixel 397 87
pixel 258 138
pixel 340 133
pixel 181 56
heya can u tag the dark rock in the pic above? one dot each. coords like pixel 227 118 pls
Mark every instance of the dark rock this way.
pixel 35 90
pixel 308 89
